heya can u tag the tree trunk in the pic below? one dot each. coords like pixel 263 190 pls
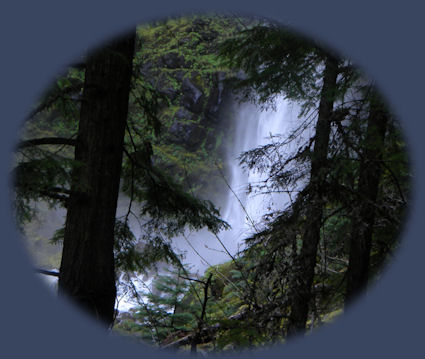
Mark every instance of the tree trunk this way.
pixel 364 215
pixel 87 273
pixel 306 261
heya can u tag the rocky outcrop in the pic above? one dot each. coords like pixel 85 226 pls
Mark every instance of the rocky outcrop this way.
pixel 173 60
pixel 197 100
pixel 193 97
pixel 215 100
pixel 185 131
pixel 179 59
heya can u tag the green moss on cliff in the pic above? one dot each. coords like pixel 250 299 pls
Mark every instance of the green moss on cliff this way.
pixel 179 58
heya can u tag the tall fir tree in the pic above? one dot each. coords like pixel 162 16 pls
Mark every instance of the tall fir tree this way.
pixel 363 219
pixel 87 272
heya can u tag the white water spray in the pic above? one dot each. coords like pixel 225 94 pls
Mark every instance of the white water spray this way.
pixel 243 210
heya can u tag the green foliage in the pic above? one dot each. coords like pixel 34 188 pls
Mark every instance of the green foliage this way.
pixel 274 61
pixel 42 174
pixel 163 312
pixel 166 202
pixel 160 189
pixel 169 52
pixel 250 298
pixel 127 258
pixel 46 177
pixel 58 112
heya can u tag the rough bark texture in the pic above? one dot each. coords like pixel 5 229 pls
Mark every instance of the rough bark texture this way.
pixel 306 261
pixel 364 215
pixel 87 272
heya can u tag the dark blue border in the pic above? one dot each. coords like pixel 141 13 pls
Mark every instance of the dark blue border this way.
pixel 385 38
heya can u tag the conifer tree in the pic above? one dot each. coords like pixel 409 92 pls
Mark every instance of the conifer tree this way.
pixel 306 261
pixel 335 171
pixel 364 214
pixel 96 244
pixel 162 313
pixel 280 62
pixel 87 272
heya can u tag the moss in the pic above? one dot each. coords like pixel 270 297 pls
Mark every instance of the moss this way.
pixel 195 39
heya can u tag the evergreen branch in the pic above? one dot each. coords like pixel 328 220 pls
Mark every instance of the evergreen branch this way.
pixel 206 332
pixel 397 183
pixel 50 101
pixel 141 302
pixel 46 141
pixel 55 196
pixel 241 270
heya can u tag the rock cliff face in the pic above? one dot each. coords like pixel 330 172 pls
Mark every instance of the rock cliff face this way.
pixel 197 118
pixel 179 58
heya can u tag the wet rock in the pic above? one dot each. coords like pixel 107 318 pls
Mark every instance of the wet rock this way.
pixel 216 97
pixel 174 60
pixel 170 92
pixel 164 86
pixel 193 97
pixel 179 75
pixel 146 68
pixel 209 36
pixel 186 132
pixel 183 114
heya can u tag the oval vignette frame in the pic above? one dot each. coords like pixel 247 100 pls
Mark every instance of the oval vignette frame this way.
pixel 385 323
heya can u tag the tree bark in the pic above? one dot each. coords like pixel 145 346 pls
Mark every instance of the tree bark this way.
pixel 364 215
pixel 306 261
pixel 87 273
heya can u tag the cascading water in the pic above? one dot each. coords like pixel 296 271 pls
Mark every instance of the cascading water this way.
pixel 254 128
pixel 243 209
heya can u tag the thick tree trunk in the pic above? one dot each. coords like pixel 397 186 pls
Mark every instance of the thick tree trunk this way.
pixel 306 261
pixel 87 271
pixel 364 215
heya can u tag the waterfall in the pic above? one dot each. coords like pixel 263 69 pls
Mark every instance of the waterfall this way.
pixel 253 127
